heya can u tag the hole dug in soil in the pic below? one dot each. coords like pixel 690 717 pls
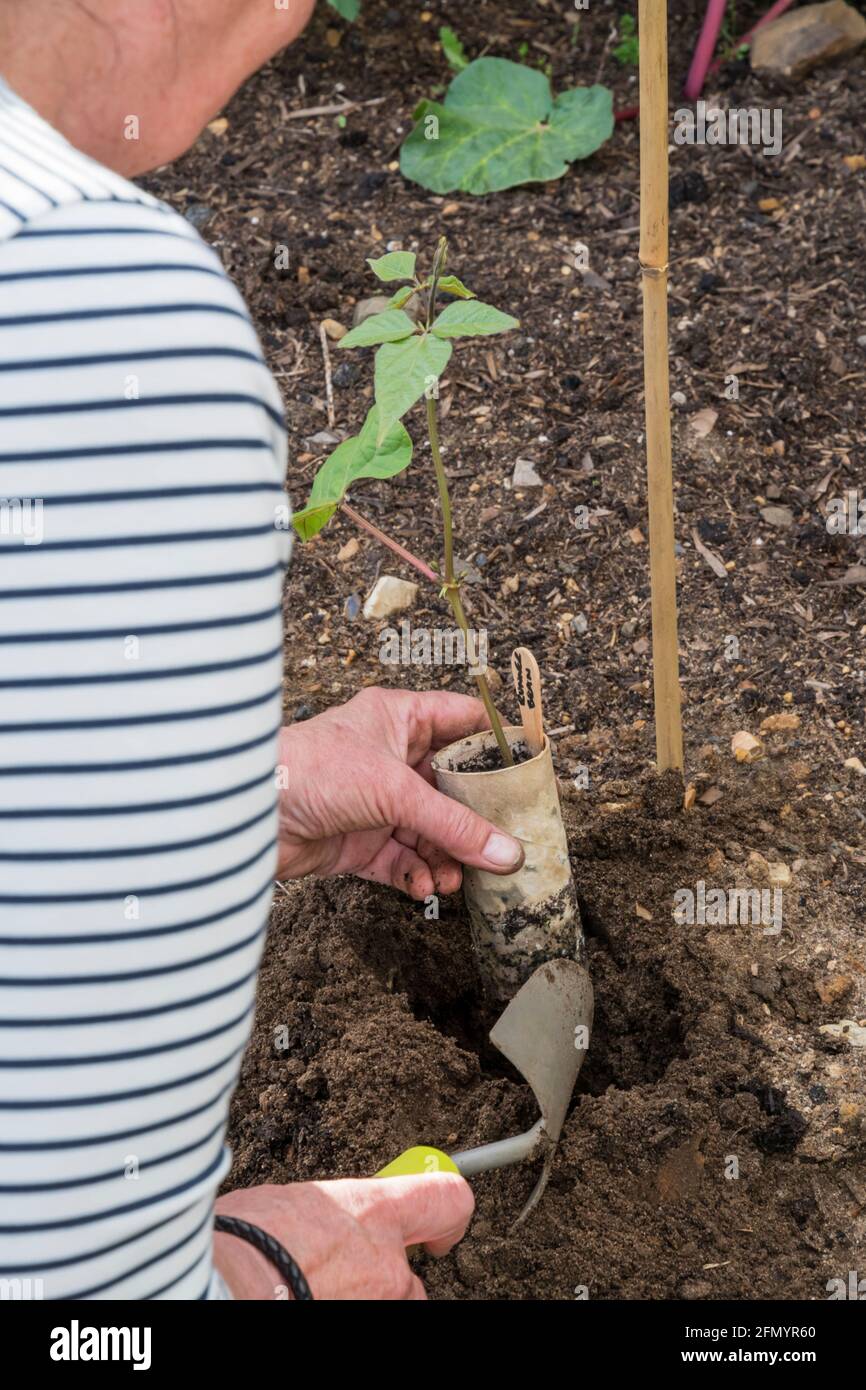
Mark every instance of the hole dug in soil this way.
pixel 715 1146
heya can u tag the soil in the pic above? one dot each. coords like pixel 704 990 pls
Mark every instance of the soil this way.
pixel 490 759
pixel 716 1146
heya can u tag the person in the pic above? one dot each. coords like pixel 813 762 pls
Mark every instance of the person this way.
pixel 142 459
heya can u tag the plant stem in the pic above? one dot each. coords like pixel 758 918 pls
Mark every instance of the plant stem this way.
pixel 383 539
pixel 451 587
pixel 704 49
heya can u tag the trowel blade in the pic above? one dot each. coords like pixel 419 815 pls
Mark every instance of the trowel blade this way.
pixel 544 1032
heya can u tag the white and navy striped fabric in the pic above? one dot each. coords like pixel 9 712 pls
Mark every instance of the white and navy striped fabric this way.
pixel 142 459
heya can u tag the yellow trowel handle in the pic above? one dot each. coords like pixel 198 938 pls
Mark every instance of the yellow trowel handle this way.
pixel 420 1159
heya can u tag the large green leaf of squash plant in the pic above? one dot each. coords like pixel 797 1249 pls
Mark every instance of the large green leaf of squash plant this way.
pixel 501 125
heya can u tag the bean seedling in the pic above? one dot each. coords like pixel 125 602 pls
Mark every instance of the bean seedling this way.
pixel 413 350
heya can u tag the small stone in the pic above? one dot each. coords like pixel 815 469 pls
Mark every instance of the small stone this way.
pixel 580 624
pixel 703 422
pixel 366 308
pixel 745 747
pixel 348 551
pixel 716 861
pixel 352 606
pixel 757 868
pixel 301 713
pixel 345 374
pixel 525 475
pixel 797 42
pixel 679 398
pixel 855 765
pixel 334 330
pixel 779 874
pixel 390 595
pixel 776 723
pixel 836 988
pixel 778 516
pixel 199 214
pixel 464 571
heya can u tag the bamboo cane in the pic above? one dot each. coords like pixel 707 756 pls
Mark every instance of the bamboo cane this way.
pixel 654 275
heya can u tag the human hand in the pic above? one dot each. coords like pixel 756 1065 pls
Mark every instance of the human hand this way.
pixel 358 795
pixel 349 1237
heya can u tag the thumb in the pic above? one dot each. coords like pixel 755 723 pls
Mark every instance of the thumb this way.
pixel 467 837
pixel 432 1209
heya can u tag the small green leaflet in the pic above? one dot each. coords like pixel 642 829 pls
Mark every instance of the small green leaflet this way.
pixel 348 9
pixel 469 318
pixel 397 265
pixel 359 457
pixel 404 371
pixel 388 327
pixel 453 49
pixel 500 126
pixel 451 285
pixel 627 51
pixel 402 296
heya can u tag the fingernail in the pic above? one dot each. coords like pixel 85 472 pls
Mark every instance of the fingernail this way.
pixel 504 852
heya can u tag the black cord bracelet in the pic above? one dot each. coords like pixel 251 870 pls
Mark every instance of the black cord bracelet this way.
pixel 271 1248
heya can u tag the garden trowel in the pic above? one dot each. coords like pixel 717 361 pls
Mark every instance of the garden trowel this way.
pixel 544 1032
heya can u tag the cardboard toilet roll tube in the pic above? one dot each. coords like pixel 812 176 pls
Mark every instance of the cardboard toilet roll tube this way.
pixel 520 920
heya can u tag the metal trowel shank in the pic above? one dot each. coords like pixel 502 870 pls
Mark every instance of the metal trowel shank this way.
pixel 544 1032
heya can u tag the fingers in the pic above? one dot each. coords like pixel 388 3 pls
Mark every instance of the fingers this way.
pixel 402 868
pixel 431 1209
pixel 463 835
pixel 438 717
pixel 447 873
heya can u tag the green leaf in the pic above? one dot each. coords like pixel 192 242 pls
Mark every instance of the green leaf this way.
pixel 310 520
pixel 397 265
pixel 578 115
pixel 500 126
pixel 627 51
pixel 404 371
pixel 388 327
pixel 349 9
pixel 362 456
pixel 467 319
pixel 453 49
pixel 402 296
pixel 451 285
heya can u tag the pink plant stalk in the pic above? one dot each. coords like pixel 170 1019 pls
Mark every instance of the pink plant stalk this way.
pixel 704 49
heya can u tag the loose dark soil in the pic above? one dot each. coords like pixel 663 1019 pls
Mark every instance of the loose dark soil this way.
pixel 716 1146
pixel 490 759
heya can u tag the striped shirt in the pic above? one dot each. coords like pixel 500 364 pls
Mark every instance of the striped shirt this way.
pixel 142 549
